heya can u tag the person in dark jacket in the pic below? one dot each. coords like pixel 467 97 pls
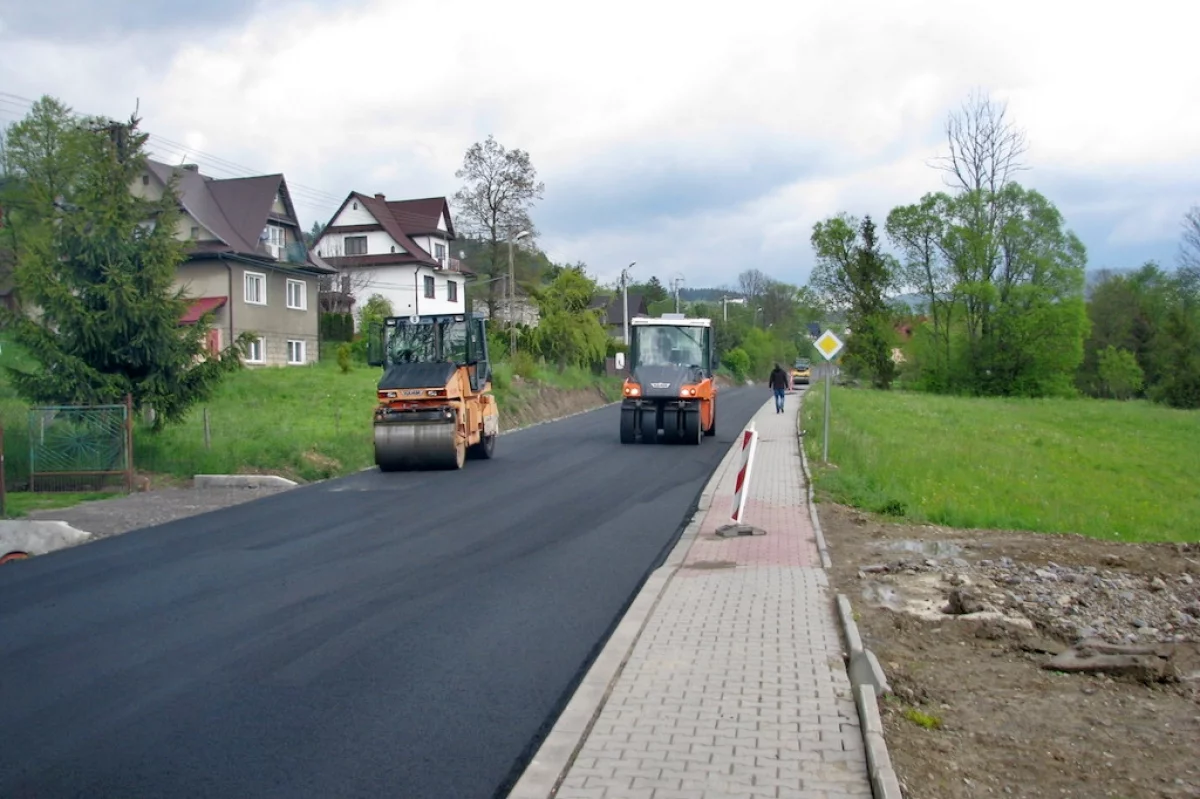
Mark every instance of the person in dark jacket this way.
pixel 779 384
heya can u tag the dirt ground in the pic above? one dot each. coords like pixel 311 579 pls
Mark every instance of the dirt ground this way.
pixel 963 623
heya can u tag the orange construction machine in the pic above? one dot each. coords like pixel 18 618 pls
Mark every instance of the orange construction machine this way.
pixel 671 393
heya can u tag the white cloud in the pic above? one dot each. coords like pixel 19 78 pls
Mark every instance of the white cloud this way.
pixel 386 96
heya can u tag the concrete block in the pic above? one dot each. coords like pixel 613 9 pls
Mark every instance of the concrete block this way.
pixel 38 537
pixel 204 481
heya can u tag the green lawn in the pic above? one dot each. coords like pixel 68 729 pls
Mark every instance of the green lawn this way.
pixel 309 422
pixel 1117 470
pixel 20 503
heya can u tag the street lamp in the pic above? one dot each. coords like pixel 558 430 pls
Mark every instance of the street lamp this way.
pixel 512 293
pixel 625 291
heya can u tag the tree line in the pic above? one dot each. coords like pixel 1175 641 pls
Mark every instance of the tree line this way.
pixel 1002 302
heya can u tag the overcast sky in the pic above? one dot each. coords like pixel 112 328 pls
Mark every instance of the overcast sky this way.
pixel 696 139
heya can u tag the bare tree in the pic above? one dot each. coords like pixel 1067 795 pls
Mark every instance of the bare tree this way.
pixel 752 283
pixel 1189 250
pixel 985 147
pixel 352 279
pixel 495 203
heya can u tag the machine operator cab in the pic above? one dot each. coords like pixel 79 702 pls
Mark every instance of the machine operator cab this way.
pixel 403 344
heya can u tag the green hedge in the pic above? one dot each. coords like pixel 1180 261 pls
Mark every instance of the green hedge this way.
pixel 337 327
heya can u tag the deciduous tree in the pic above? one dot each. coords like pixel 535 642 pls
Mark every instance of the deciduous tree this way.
pixel 495 203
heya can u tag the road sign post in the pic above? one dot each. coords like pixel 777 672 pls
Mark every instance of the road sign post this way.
pixel 829 346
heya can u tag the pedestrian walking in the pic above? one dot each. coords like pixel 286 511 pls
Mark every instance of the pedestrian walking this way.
pixel 779 384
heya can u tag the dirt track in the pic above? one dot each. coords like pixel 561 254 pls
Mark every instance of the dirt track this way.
pixel 999 724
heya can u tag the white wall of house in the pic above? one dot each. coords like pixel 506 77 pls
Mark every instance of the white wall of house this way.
pixel 379 242
pixel 431 243
pixel 354 214
pixel 405 287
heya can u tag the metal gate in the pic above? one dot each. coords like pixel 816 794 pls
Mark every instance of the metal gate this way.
pixel 77 446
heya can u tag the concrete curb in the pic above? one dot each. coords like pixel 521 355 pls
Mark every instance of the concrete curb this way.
pixel 554 757
pixel 205 481
pixel 867 678
pixel 826 562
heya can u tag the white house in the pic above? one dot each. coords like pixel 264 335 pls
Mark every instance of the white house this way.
pixel 399 249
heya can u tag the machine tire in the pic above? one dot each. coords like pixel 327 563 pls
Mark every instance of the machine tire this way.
pixel 460 455
pixel 628 425
pixel 712 428
pixel 485 450
pixel 692 428
pixel 649 425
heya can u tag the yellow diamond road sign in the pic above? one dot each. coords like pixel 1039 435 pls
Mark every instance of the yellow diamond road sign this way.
pixel 829 345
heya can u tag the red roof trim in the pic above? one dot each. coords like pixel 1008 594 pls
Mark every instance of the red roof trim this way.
pixel 201 307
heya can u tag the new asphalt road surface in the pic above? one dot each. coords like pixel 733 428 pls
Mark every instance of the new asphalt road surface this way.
pixel 402 635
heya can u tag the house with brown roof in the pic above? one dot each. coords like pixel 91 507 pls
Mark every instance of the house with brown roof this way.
pixel 612 311
pixel 247 261
pixel 399 249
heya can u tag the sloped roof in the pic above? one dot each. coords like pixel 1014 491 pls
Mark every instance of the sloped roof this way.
pixel 200 307
pixel 235 210
pixel 422 216
pixel 614 306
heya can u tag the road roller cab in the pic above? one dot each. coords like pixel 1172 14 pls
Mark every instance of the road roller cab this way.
pixel 436 406
pixel 670 394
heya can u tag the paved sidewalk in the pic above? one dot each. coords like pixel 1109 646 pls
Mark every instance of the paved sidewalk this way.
pixel 736 685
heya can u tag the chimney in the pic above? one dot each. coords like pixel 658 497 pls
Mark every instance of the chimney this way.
pixel 191 167
pixel 379 197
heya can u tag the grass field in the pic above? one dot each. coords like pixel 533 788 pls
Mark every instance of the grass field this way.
pixel 310 422
pixel 313 422
pixel 1116 470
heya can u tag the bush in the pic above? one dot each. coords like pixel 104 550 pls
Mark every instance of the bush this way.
pixel 337 327
pixel 344 359
pixel 738 362
pixel 1120 373
pixel 523 365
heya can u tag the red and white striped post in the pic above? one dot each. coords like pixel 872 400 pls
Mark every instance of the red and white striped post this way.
pixel 749 443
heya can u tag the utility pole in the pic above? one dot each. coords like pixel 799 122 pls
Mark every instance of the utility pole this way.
pixel 675 281
pixel 512 294
pixel 625 292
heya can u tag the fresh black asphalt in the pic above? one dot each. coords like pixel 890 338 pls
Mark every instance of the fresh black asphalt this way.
pixel 382 635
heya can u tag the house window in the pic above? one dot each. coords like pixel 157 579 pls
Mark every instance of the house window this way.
pixel 297 297
pixel 195 233
pixel 452 290
pixel 439 252
pixel 355 245
pixel 355 206
pixel 428 287
pixel 295 351
pixel 275 239
pixel 256 351
pixel 256 288
pixel 145 180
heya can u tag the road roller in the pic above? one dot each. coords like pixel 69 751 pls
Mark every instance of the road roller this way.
pixel 670 395
pixel 435 403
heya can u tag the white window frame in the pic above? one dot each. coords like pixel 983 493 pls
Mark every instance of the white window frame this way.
pixel 262 293
pixel 262 351
pixel 429 291
pixel 276 240
pixel 302 294
pixel 302 347
pixel 453 298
